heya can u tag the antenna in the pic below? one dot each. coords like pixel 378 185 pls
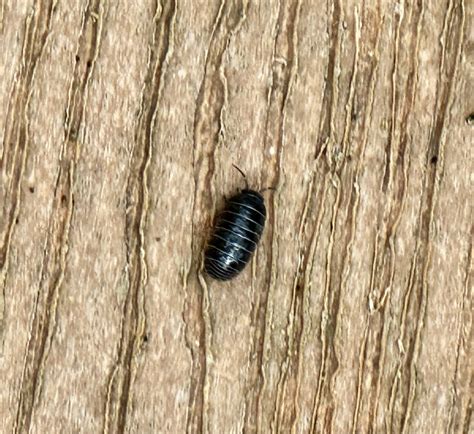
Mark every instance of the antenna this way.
pixel 243 174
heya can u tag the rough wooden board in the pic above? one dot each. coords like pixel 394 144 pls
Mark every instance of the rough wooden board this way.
pixel 119 125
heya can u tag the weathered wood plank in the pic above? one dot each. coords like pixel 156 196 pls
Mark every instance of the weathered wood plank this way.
pixel 119 125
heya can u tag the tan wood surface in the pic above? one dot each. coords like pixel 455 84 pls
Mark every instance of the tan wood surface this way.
pixel 119 125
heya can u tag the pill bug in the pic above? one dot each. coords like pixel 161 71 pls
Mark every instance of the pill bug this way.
pixel 236 233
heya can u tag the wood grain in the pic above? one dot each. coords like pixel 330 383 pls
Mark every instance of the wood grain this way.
pixel 119 125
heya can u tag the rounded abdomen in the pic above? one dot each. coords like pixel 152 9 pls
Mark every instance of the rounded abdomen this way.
pixel 236 234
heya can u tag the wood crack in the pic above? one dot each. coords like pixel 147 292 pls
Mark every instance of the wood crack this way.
pixel 14 150
pixel 383 266
pixel 338 266
pixel 326 127
pixel 416 298
pixel 454 40
pixel 57 245
pixel 208 131
pixel 373 78
pixel 284 67
pixel 395 183
pixel 123 374
pixel 287 408
pixel 463 371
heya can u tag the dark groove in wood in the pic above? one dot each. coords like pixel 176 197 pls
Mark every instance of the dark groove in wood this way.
pixel 432 179
pixel 296 320
pixel 284 62
pixel 55 255
pixel 462 383
pixel 16 135
pixel 394 101
pixel 330 82
pixel 324 138
pixel 394 185
pixel 207 130
pixel 122 376
pixel 347 200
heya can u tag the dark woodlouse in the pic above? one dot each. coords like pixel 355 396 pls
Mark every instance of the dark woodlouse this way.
pixel 236 234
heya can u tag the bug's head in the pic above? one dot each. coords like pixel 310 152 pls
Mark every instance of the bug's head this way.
pixel 248 190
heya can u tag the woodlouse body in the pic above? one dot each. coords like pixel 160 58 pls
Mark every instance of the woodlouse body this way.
pixel 236 234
